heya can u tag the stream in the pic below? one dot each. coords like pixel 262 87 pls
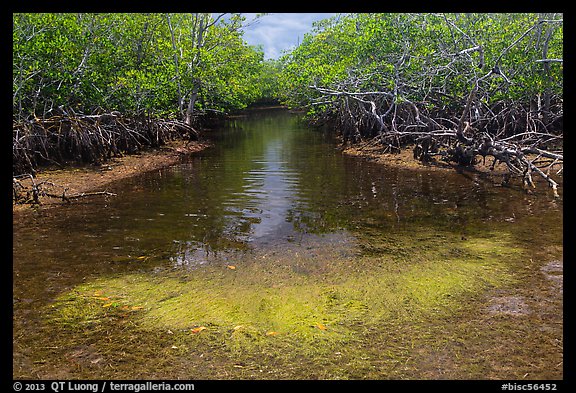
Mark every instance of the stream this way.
pixel 273 256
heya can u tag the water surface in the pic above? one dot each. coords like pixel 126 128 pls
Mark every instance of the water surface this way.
pixel 271 187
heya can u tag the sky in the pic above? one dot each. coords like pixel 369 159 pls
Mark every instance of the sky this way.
pixel 278 32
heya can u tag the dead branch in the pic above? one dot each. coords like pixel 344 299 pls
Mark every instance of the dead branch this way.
pixel 31 194
pixel 395 124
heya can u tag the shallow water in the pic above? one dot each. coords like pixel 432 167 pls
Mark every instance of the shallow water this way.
pixel 271 187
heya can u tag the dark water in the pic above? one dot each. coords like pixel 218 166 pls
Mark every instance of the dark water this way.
pixel 269 182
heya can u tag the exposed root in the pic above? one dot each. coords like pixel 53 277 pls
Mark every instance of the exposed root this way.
pixel 88 138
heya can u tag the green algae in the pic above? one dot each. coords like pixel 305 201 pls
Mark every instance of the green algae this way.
pixel 362 307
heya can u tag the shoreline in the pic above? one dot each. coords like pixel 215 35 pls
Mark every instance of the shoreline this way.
pixel 405 160
pixel 93 178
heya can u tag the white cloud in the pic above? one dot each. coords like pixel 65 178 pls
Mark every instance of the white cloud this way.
pixel 280 32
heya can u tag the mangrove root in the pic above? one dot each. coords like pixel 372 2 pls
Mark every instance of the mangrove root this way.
pixel 88 138
pixel 377 116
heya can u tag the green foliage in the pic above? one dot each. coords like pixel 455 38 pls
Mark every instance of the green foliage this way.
pixel 157 63
pixel 133 63
pixel 418 56
pixel 269 80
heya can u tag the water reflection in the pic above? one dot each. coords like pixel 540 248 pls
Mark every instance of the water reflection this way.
pixel 269 182
pixel 270 189
pixel 248 192
pixel 270 196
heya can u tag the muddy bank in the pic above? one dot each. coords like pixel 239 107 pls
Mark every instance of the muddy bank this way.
pixel 91 178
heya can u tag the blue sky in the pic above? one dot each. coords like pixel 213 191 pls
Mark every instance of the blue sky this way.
pixel 278 32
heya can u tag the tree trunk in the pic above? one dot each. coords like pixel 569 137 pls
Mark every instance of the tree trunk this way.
pixel 175 49
pixel 191 103
pixel 198 36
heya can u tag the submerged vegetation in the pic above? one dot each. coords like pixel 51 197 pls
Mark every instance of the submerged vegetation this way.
pixel 341 317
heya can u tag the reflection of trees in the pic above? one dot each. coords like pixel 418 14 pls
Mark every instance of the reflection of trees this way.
pixel 228 197
pixel 346 192
pixel 241 189
pixel 212 205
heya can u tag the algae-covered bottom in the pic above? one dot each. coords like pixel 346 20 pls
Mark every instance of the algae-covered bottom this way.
pixel 250 263
pixel 277 315
pixel 428 312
